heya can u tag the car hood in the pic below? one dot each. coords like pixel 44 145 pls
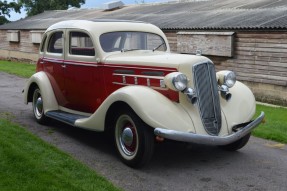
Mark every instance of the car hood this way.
pixel 149 58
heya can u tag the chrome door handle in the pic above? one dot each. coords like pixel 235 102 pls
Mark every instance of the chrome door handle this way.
pixel 63 66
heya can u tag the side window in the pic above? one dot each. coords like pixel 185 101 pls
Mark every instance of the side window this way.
pixel 43 43
pixel 81 44
pixel 56 43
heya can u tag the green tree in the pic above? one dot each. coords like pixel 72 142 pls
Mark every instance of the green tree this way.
pixel 3 20
pixel 6 8
pixel 34 7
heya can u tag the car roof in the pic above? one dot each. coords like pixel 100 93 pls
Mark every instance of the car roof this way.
pixel 105 25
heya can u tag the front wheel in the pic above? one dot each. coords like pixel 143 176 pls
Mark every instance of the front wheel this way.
pixel 134 139
pixel 38 107
pixel 237 144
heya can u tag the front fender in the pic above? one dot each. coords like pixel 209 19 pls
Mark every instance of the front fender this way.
pixel 151 106
pixel 41 80
pixel 241 107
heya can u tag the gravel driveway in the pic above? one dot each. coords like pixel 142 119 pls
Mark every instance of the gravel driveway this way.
pixel 175 166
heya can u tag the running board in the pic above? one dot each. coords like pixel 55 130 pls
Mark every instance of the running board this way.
pixel 64 117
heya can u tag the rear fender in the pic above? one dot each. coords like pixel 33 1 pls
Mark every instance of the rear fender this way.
pixel 41 80
pixel 152 107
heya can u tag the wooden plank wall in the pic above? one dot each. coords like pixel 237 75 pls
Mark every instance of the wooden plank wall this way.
pixel 260 60
pixel 25 44
pixel 258 57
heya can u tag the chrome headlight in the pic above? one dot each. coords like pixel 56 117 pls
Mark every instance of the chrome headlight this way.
pixel 176 81
pixel 227 78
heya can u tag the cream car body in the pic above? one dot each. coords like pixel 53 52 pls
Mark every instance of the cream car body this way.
pixel 131 86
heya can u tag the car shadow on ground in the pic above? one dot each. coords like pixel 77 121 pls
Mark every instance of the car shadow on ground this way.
pixel 169 154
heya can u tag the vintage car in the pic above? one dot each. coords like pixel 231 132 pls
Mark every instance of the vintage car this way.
pixel 120 77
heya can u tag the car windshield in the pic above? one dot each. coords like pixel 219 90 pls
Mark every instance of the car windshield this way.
pixel 128 41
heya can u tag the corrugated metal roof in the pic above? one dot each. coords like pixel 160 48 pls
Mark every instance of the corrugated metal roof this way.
pixel 199 15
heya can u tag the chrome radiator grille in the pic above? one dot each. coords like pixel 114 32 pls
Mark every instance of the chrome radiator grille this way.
pixel 208 97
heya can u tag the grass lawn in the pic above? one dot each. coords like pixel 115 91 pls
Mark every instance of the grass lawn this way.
pixel 17 68
pixel 28 163
pixel 275 127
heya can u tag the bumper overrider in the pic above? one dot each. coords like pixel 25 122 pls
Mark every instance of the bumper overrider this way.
pixel 208 139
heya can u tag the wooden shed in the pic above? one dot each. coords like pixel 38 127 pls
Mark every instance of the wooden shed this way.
pixel 248 37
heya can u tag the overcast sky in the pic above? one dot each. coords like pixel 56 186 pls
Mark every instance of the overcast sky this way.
pixel 89 4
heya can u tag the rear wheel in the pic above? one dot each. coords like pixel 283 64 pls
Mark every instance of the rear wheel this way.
pixel 134 139
pixel 237 144
pixel 38 107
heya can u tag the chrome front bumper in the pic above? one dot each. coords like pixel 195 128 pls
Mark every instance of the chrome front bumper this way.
pixel 208 139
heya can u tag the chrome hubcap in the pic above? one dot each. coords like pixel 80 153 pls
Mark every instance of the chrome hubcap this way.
pixel 127 137
pixel 128 140
pixel 39 106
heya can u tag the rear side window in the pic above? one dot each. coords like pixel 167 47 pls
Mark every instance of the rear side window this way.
pixel 81 44
pixel 56 43
pixel 43 44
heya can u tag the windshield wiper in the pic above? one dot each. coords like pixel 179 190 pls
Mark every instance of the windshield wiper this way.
pixel 158 46
pixel 126 50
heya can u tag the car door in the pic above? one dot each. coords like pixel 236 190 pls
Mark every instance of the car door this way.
pixel 83 76
pixel 53 64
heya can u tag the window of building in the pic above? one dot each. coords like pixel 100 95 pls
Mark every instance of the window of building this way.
pixel 206 43
pixel 13 36
pixel 36 36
